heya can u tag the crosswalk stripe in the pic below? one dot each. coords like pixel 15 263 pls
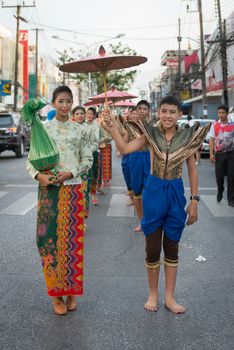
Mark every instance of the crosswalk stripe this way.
pixel 2 193
pixel 119 208
pixel 186 188
pixel 22 206
pixel 22 185
pixel 217 209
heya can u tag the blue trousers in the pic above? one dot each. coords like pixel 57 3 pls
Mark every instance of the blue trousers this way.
pixel 139 163
pixel 164 206
pixel 126 170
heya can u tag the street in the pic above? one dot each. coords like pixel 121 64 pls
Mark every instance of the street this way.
pixel 110 315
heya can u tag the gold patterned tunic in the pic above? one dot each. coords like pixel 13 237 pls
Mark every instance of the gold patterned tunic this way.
pixel 167 157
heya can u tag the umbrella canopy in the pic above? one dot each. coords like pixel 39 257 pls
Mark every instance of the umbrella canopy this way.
pixel 102 63
pixel 125 104
pixel 113 95
pixel 94 104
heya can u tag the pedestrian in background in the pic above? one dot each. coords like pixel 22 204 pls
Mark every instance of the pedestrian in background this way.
pixel 60 216
pixel 222 153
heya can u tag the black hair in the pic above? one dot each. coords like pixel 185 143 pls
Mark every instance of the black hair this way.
pixel 77 108
pixel 61 89
pixel 131 109
pixel 222 107
pixel 93 110
pixel 143 102
pixel 170 100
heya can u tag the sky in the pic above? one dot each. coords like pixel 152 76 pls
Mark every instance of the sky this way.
pixel 150 27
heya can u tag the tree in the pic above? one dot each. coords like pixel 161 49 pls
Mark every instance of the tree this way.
pixel 67 56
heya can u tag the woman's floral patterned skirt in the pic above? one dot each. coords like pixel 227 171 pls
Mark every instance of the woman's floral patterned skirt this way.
pixel 60 238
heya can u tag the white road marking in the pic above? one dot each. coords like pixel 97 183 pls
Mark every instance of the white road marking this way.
pixel 119 208
pixel 186 188
pixel 2 193
pixel 21 185
pixel 217 209
pixel 22 206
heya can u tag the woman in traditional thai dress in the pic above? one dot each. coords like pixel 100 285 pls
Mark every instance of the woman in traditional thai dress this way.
pixel 60 216
pixel 78 116
pixel 96 169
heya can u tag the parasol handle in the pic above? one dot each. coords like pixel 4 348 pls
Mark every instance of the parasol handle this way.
pixel 105 87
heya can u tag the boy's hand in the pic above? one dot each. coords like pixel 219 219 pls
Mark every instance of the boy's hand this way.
pixel 45 180
pixel 108 120
pixel 192 213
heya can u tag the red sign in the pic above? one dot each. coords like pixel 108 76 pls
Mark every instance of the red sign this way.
pixel 23 40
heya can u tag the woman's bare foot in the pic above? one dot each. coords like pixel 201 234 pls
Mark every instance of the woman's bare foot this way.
pixel 137 229
pixel 71 303
pixel 174 307
pixel 152 303
pixel 59 306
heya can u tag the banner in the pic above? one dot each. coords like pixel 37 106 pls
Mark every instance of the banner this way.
pixel 23 40
pixel 5 87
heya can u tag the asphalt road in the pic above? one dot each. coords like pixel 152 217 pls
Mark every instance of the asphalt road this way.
pixel 111 314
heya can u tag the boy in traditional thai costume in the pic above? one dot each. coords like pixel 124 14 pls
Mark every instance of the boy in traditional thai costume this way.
pixel 60 216
pixel 164 215
pixel 139 161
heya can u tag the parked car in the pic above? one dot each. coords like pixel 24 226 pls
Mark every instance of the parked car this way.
pixel 14 134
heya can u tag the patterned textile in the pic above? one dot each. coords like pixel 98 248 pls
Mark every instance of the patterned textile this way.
pixel 168 157
pixel 60 238
pixel 163 206
pixel 106 162
pixel 86 183
pixel 72 142
pixel 223 135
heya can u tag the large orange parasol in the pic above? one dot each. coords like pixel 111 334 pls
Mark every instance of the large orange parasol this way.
pixel 102 63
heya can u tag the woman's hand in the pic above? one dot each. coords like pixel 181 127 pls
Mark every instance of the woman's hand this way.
pixel 192 212
pixel 63 176
pixel 45 180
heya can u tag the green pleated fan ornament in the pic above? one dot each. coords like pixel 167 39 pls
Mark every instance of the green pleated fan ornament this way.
pixel 43 153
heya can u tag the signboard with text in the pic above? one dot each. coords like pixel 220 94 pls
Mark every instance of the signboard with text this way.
pixel 5 87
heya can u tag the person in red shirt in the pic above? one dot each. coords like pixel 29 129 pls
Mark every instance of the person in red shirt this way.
pixel 222 153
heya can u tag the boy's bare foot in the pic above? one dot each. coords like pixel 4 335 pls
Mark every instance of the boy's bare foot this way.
pixel 137 229
pixel 59 306
pixel 152 303
pixel 174 307
pixel 71 303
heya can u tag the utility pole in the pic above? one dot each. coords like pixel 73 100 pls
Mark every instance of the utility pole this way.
pixel 223 49
pixel 179 39
pixel 37 30
pixel 203 68
pixel 18 18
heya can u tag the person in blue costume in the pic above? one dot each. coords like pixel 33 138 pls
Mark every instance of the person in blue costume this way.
pixel 164 214
pixel 139 161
